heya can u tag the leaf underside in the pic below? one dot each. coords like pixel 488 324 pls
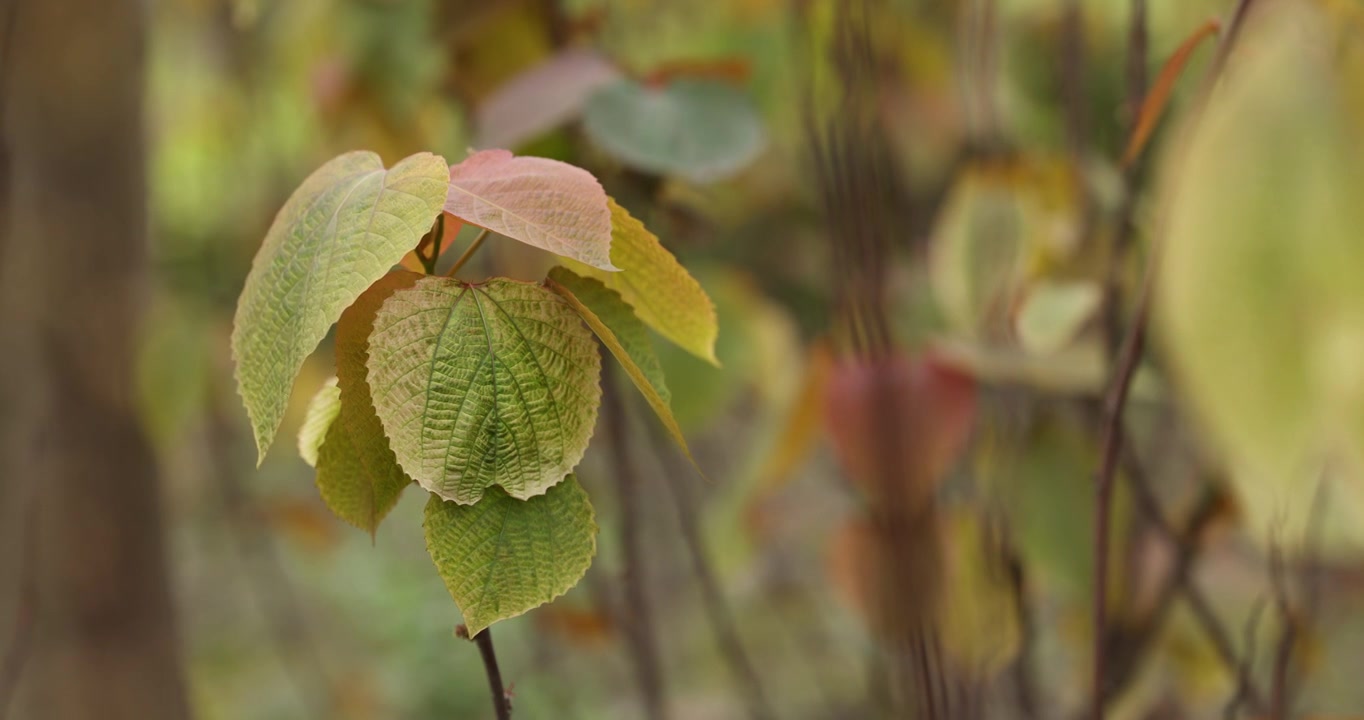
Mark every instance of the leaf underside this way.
pixel 344 227
pixel 357 473
pixel 544 203
pixel 322 410
pixel 663 294
pixel 501 556
pixel 485 384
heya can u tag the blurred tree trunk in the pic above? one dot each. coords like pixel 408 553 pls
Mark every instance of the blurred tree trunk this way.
pixel 80 526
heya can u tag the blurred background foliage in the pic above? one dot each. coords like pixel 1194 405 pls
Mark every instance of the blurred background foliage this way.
pixel 694 113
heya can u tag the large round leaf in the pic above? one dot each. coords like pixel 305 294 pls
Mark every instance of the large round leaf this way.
pixel 345 226
pixel 702 130
pixel 1260 299
pixel 484 384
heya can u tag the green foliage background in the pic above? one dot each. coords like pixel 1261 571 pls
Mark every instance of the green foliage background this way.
pixel 249 96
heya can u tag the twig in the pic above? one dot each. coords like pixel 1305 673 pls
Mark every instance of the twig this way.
pixel 484 640
pixel 1199 603
pixel 1141 635
pixel 1025 680
pixel 639 613
pixel 1288 635
pixel 717 609
pixel 468 253
pixel 1128 359
pixel 1243 674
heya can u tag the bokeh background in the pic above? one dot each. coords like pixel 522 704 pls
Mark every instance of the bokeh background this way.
pixel 1009 244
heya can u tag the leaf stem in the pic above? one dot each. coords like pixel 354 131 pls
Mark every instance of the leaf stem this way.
pixel 437 237
pixel 468 253
pixel 484 640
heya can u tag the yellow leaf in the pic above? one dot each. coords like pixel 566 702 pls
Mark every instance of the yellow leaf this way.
pixel 621 332
pixel 664 295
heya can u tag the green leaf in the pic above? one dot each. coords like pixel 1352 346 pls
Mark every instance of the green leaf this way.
pixel 357 473
pixel 501 556
pixel 322 410
pixel 544 203
pixel 663 294
pixel 344 227
pixel 624 335
pixel 1053 313
pixel 484 384
pixel 979 243
pixel 703 130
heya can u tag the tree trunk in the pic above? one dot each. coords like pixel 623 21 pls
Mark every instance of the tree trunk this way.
pixel 81 551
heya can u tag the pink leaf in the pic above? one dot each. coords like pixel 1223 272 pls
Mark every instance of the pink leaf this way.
pixel 898 424
pixel 544 203
pixel 542 98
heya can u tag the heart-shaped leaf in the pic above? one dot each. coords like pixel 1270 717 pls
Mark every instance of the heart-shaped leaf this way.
pixel 501 556
pixel 624 335
pixel 663 294
pixel 544 203
pixel 357 473
pixel 702 130
pixel 345 226
pixel 484 384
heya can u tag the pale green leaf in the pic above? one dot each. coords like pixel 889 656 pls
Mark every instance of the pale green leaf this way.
pixel 1053 313
pixel 357 473
pixel 663 294
pixel 322 410
pixel 501 556
pixel 703 130
pixel 484 384
pixel 977 251
pixel 344 227
pixel 1260 302
pixel 624 335
pixel 544 203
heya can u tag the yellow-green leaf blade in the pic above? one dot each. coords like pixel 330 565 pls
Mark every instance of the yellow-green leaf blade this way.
pixel 663 294
pixel 322 410
pixel 624 335
pixel 344 227
pixel 501 556
pixel 484 384
pixel 357 473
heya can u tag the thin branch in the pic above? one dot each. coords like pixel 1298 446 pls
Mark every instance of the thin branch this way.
pixel 639 613
pixel 1283 651
pixel 1130 356
pixel 1199 603
pixel 1112 449
pixel 717 608
pixel 484 640
pixel 1243 674
pixel 1025 678
pixel 468 253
